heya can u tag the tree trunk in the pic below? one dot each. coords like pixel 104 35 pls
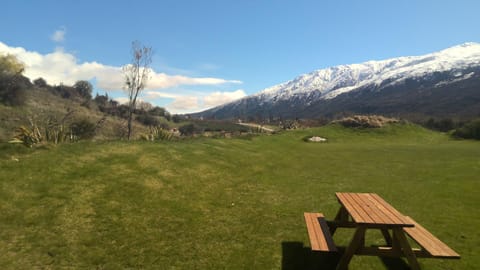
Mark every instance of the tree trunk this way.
pixel 129 125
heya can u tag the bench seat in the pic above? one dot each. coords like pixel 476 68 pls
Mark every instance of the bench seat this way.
pixel 430 244
pixel 318 232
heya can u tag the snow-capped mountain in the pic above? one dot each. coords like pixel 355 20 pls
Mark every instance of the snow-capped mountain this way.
pixel 310 95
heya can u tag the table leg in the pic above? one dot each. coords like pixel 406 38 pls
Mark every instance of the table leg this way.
pixel 354 245
pixel 399 236
pixel 388 238
pixel 342 216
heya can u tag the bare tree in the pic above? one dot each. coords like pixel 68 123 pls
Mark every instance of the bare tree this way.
pixel 136 77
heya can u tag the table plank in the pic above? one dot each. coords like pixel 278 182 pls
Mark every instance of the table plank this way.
pixel 320 239
pixel 369 208
pixel 383 213
pixel 434 246
pixel 393 213
pixel 353 208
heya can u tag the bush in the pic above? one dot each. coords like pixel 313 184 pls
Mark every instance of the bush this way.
pixel 12 89
pixel 64 91
pixel 190 129
pixel 158 111
pixel 147 120
pixel 27 136
pixel 40 82
pixel 177 118
pixel 120 111
pixel 101 100
pixel 164 126
pixel 158 134
pixel 84 89
pixel 83 129
pixel 470 130
pixel 365 121
pixel 443 125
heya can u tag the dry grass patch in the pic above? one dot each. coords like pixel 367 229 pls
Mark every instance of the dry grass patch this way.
pixel 366 121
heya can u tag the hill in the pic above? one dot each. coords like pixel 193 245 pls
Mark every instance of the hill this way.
pixel 61 107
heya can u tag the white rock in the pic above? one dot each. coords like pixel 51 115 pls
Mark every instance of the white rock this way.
pixel 317 139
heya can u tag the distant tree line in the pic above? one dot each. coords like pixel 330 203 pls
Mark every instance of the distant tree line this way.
pixel 470 130
pixel 444 125
pixel 457 128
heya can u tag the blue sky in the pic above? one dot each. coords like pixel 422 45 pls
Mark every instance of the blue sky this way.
pixel 209 52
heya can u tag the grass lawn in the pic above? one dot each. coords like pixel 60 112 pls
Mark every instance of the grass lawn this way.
pixel 229 203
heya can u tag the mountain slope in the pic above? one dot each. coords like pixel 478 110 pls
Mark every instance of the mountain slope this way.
pixel 442 83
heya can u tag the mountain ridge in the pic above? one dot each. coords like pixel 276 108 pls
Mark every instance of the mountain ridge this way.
pixel 439 69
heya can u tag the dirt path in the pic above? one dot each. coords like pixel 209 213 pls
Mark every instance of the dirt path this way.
pixel 257 126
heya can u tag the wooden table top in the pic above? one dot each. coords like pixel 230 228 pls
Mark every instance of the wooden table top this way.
pixel 371 209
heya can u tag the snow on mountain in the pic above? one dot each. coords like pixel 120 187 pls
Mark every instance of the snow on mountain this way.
pixel 443 84
pixel 333 81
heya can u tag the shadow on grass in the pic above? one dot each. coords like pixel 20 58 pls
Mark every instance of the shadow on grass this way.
pixel 395 263
pixel 297 257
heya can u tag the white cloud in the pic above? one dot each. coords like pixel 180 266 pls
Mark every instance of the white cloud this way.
pixel 158 94
pixel 219 98
pixel 59 35
pixel 162 80
pixel 184 104
pixel 188 103
pixel 62 67
pixel 121 100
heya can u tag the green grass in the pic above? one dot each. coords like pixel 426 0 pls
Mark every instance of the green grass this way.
pixel 228 203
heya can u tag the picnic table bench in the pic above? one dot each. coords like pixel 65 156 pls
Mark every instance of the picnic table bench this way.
pixel 362 211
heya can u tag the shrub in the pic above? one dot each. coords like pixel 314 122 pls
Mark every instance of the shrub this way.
pixel 190 129
pixel 27 136
pixel 147 120
pixel 443 125
pixel 40 82
pixel 120 130
pixel 83 129
pixel 64 91
pixel 158 111
pixel 366 121
pixel 158 134
pixel 101 100
pixel 289 124
pixel 164 126
pixel 120 111
pixel 12 89
pixel 177 118
pixel 470 130
pixel 84 89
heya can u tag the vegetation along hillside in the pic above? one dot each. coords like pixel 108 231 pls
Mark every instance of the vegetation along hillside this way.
pixel 35 112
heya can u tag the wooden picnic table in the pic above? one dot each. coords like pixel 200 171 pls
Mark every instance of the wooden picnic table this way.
pixel 365 211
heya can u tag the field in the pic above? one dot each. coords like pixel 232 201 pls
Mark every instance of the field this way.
pixel 229 203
